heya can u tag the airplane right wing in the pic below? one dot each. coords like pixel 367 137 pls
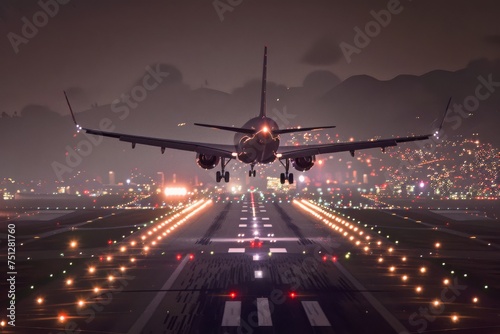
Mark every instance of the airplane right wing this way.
pixel 220 150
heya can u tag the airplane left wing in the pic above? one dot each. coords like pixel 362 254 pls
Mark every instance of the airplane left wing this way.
pixel 291 152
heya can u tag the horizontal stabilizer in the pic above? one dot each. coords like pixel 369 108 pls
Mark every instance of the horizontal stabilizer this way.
pixel 278 132
pixel 227 128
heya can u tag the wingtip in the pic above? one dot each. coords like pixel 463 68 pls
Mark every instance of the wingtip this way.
pixel 71 111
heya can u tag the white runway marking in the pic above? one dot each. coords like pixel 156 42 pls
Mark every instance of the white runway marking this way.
pixel 263 312
pixel 277 250
pixel 236 250
pixel 265 218
pixel 243 218
pixel 315 314
pixel 268 225
pixel 232 314
pixel 388 316
pixel 244 210
pixel 149 310
pixel 263 211
pixel 242 225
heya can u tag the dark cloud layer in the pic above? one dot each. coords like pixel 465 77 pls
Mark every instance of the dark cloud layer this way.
pixel 325 51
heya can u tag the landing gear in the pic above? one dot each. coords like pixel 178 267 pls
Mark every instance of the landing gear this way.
pixel 286 176
pixel 251 172
pixel 222 174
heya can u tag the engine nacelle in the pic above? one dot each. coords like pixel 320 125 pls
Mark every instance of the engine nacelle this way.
pixel 303 164
pixel 207 161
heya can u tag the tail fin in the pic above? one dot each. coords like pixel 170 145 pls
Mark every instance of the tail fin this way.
pixel 263 91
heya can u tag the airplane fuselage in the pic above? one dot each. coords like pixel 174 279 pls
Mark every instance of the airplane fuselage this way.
pixel 260 147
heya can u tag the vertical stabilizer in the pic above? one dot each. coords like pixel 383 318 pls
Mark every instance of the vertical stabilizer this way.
pixel 263 92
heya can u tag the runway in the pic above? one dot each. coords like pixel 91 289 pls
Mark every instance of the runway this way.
pixel 251 265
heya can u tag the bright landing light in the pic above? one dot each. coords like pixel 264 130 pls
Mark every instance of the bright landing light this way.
pixel 175 191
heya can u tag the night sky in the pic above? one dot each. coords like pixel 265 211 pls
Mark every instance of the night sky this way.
pixel 103 46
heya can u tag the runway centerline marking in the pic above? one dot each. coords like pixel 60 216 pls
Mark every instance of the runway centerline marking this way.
pixel 263 312
pixel 153 305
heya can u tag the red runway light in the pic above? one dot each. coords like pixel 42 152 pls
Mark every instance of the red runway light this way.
pixel 191 256
pixel 232 295
pixel 110 242
pixel 324 258
pixel 179 256
pixel 334 258
pixel 292 295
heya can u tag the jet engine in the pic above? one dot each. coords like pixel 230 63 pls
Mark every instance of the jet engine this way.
pixel 303 164
pixel 207 161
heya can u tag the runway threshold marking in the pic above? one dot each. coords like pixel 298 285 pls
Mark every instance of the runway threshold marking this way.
pixel 242 225
pixel 232 314
pixel 236 250
pixel 315 314
pixel 263 312
pixel 153 305
pixel 388 316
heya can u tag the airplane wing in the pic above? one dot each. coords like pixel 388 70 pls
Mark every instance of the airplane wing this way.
pixel 291 152
pixel 220 150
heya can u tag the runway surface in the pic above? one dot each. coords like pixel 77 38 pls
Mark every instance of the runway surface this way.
pixel 251 265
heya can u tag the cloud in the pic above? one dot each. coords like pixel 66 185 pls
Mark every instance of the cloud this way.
pixel 325 51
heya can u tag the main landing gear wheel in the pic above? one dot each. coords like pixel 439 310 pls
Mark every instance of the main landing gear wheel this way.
pixel 222 174
pixel 251 172
pixel 286 176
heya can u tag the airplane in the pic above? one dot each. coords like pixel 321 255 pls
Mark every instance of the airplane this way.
pixel 256 142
